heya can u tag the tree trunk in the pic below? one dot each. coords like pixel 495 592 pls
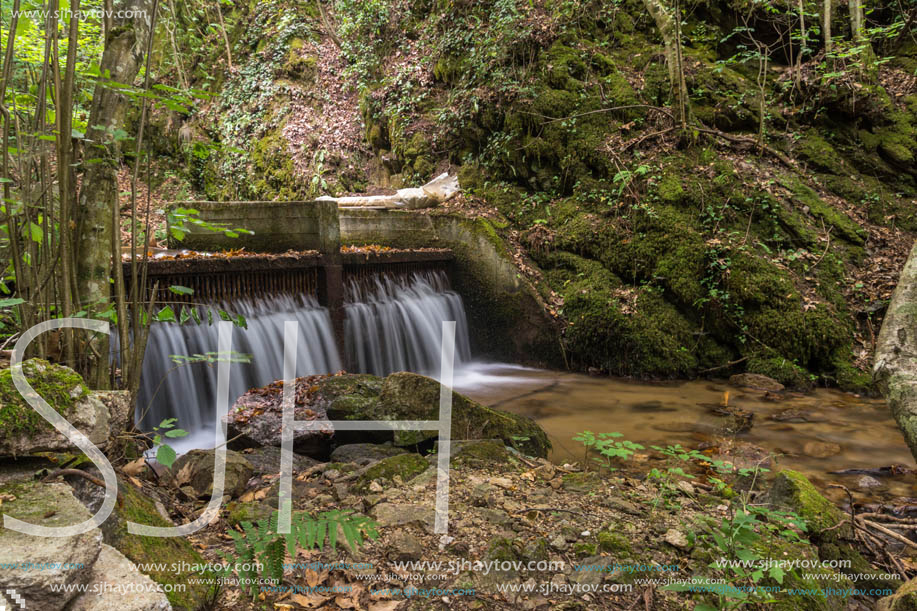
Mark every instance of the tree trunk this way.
pixel 856 19
pixel 895 369
pixel 826 26
pixel 121 61
pixel 669 29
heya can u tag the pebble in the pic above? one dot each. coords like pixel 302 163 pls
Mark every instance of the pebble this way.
pixel 676 538
pixel 868 481
pixel 685 487
pixel 559 543
pixel 821 449
pixel 375 487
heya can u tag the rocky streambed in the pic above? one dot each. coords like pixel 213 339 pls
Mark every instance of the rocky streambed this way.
pixel 523 532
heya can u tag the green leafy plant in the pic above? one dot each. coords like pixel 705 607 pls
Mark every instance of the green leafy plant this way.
pixel 259 549
pixel 165 455
pixel 607 445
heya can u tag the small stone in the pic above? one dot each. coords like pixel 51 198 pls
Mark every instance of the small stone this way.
pixel 821 449
pixel 332 474
pixel 868 481
pixel 685 487
pixel 502 482
pixel 756 381
pixel 559 579
pixel 407 546
pixel 559 543
pixel 676 538
pixel 585 533
pixel 375 486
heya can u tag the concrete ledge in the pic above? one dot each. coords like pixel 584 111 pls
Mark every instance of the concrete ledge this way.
pixel 277 226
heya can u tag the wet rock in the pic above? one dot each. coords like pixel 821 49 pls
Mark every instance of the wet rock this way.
pixel 868 482
pixel 46 505
pixel 26 432
pixel 364 453
pixel 756 381
pixel 136 592
pixel 266 460
pixel 797 415
pixel 676 538
pixel 821 449
pixel 255 419
pixel 196 468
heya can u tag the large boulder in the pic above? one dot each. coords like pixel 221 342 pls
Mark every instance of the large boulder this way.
pixel 45 562
pixel 169 561
pixel 904 599
pixel 26 432
pixel 409 396
pixel 255 419
pixel 827 528
pixel 196 469
pixel 135 591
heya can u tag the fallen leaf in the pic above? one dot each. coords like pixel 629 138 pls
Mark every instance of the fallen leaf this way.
pixel 135 467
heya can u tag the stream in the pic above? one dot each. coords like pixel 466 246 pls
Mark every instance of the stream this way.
pixel 680 412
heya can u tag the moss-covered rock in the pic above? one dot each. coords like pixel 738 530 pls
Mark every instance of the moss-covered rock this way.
pixel 409 396
pixel 826 526
pixel 904 599
pixel 175 555
pixel 406 466
pixel 60 386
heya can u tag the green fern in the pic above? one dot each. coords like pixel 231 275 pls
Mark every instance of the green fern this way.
pixel 260 543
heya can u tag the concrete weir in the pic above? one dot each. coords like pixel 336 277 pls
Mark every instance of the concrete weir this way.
pixel 506 315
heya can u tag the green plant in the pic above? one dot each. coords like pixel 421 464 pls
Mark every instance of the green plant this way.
pixel 608 446
pixel 165 455
pixel 259 549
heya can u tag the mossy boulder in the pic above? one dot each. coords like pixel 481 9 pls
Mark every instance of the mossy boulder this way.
pixel 199 587
pixel 405 466
pixel 826 525
pixel 26 432
pixel 904 599
pixel 409 396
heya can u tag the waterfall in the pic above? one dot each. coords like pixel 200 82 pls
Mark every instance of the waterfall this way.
pixel 394 323
pixel 186 391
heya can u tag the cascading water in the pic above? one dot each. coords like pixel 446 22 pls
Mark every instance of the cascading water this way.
pixel 394 323
pixel 186 390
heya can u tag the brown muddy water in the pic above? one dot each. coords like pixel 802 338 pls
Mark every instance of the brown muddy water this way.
pixel 861 431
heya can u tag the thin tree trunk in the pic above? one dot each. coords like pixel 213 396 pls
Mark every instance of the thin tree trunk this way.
pixel 669 28
pixel 121 60
pixel 856 19
pixel 826 25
